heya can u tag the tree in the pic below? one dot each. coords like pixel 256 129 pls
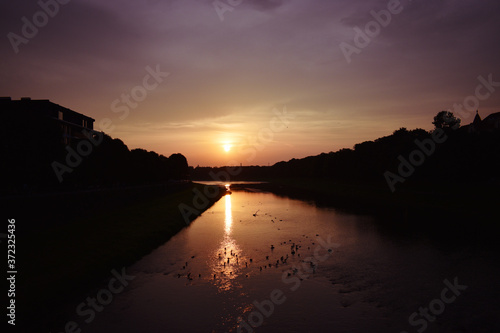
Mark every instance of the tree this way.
pixel 401 131
pixel 446 120
pixel 179 168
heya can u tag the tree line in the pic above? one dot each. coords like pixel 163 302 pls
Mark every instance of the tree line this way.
pixel 30 145
pixel 460 156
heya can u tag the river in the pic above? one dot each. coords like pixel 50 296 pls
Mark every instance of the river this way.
pixel 260 262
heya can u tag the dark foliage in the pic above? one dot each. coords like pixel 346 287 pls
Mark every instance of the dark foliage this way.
pixel 446 120
pixel 462 157
pixel 30 145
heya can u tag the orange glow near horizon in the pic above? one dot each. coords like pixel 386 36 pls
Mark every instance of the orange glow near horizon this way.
pixel 204 145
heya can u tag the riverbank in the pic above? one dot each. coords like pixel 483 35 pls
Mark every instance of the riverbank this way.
pixel 432 210
pixel 63 262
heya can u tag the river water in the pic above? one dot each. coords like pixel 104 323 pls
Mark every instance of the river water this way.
pixel 259 262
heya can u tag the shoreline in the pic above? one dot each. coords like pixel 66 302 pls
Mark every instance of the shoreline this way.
pixel 67 261
pixel 444 215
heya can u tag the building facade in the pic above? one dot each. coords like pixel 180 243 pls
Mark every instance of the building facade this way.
pixel 73 124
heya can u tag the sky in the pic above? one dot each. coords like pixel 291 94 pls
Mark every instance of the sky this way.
pixel 253 82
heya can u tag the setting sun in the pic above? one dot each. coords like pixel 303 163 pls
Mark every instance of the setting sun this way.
pixel 227 148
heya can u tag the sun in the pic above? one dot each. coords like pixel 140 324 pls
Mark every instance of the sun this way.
pixel 227 148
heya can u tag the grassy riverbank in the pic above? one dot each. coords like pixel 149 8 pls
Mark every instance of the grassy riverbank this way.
pixel 62 263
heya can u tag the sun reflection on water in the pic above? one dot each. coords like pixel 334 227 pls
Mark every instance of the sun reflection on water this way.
pixel 228 261
pixel 228 216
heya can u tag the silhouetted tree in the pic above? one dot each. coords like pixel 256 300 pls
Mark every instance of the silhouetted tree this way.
pixel 446 120
pixel 178 166
pixel 401 131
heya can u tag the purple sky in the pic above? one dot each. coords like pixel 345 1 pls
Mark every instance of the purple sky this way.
pixel 228 78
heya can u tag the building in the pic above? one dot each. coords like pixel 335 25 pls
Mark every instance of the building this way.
pixel 73 124
pixel 490 123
